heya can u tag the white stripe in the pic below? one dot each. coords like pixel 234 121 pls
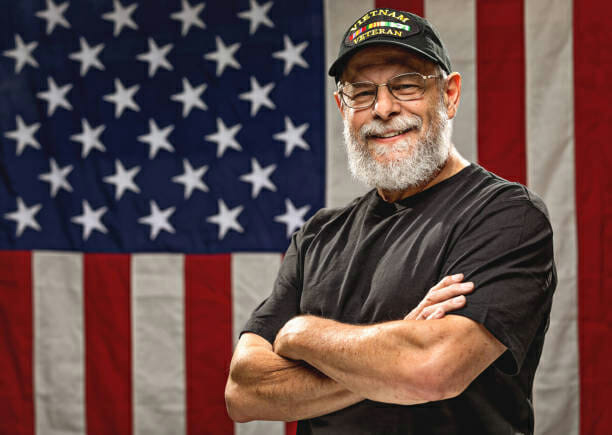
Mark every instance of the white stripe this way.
pixel 340 187
pixel 158 347
pixel 550 164
pixel 253 277
pixel 259 427
pixel 456 23
pixel 58 343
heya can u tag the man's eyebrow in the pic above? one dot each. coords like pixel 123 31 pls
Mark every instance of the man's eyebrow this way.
pixel 354 78
pixel 411 64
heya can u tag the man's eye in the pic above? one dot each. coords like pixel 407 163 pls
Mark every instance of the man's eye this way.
pixel 360 92
pixel 404 86
pixel 363 93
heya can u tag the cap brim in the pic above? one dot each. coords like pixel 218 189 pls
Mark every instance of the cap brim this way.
pixel 340 63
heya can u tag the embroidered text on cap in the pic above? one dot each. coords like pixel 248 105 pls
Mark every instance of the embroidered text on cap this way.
pixel 381 22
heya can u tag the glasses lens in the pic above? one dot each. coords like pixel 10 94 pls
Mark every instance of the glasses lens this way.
pixel 358 95
pixel 407 86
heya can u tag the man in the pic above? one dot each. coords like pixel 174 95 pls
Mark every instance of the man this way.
pixel 332 346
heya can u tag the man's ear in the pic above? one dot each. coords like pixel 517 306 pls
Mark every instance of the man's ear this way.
pixel 339 103
pixel 452 94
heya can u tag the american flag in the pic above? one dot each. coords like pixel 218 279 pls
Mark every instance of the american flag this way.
pixel 156 155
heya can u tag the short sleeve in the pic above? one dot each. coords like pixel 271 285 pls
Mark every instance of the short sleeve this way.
pixel 283 303
pixel 507 251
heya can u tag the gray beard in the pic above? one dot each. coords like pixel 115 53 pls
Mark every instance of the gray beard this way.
pixel 426 159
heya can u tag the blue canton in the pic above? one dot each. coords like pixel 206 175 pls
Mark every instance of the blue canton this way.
pixel 139 126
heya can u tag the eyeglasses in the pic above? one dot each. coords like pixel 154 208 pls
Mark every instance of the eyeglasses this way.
pixel 404 87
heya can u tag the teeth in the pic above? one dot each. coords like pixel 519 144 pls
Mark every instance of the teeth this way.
pixel 392 134
pixel 389 135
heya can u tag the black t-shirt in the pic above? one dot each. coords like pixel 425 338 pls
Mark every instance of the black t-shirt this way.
pixel 374 261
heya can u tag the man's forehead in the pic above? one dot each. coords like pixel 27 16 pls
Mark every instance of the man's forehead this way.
pixel 385 55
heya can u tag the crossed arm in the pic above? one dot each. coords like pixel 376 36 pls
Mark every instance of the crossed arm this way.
pixel 317 366
pixel 263 385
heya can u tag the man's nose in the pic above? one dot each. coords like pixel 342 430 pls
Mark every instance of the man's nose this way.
pixel 386 104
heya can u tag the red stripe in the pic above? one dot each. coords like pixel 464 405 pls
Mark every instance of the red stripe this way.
pixel 501 88
pixel 291 428
pixel 414 6
pixel 593 159
pixel 208 340
pixel 16 332
pixel 108 350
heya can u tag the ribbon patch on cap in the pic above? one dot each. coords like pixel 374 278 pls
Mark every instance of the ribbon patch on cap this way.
pixel 380 24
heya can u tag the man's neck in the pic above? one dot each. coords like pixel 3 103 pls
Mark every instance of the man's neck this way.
pixel 454 164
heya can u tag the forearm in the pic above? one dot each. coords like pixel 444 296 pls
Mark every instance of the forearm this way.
pixel 265 386
pixel 404 362
pixel 374 361
pixel 389 362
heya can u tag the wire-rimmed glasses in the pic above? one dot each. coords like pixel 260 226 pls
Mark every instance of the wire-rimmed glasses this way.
pixel 405 87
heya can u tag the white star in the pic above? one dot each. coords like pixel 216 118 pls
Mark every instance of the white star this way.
pixel 89 138
pixel 90 219
pixel 54 14
pixel 24 216
pixel 22 53
pixel 122 179
pixel 191 178
pixel 225 137
pixel 157 138
pixel 226 219
pixel 190 97
pixel 292 136
pixel 88 56
pixel 123 98
pixel 291 54
pixel 55 96
pixel 121 16
pixel 156 57
pixel 293 218
pixel 259 177
pixel 24 135
pixel 188 16
pixel 158 220
pixel 258 96
pixel 257 15
pixel 224 56
pixel 57 177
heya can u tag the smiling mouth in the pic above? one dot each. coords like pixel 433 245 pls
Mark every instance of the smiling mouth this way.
pixel 390 134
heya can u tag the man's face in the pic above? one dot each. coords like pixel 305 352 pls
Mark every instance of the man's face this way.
pixel 395 145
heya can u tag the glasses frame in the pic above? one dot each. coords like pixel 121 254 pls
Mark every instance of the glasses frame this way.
pixel 379 85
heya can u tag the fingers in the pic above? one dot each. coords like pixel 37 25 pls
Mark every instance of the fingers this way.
pixel 447 280
pixel 438 314
pixel 446 295
pixel 439 310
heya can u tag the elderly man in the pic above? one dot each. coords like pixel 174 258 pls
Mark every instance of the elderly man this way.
pixel 333 346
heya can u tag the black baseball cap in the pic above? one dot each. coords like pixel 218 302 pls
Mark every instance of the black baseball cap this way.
pixel 386 26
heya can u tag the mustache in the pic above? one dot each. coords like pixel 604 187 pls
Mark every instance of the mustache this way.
pixel 377 127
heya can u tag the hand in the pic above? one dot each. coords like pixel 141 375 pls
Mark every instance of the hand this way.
pixel 288 333
pixel 445 296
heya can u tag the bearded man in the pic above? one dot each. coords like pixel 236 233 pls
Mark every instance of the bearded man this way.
pixel 353 338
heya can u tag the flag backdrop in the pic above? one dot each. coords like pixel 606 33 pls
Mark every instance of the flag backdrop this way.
pixel 155 156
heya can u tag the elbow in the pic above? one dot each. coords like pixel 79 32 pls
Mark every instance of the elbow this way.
pixel 431 383
pixel 441 390
pixel 234 403
pixel 451 387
